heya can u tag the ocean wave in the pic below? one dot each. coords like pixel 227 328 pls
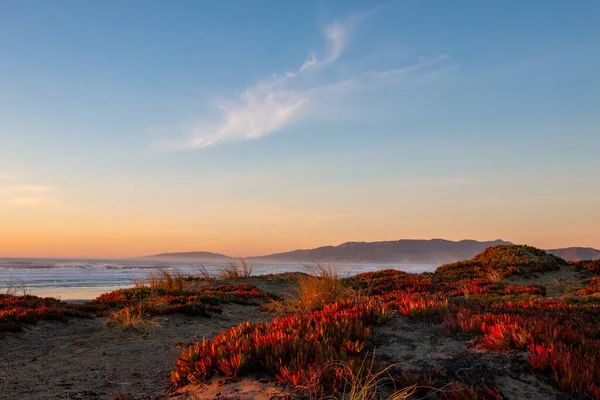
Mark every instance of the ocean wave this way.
pixel 85 265
pixel 75 265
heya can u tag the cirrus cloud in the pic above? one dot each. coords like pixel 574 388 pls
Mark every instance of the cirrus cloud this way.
pixel 275 103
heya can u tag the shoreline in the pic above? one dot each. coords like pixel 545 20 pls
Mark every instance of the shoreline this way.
pixel 91 282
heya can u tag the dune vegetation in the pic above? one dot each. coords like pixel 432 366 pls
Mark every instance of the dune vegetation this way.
pixel 16 311
pixel 322 339
pixel 312 348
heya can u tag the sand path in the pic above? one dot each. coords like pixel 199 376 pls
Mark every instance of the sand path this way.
pixel 83 359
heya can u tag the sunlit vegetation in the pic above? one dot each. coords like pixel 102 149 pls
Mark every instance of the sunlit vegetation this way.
pixel 152 300
pixel 16 311
pixel 175 280
pixel 324 285
pixel 132 318
pixel 301 349
pixel 368 381
pixel 236 270
pixel 591 288
pixel 592 266
pixel 502 261
pixel 202 275
pixel 560 338
pixel 13 288
pixel 385 281
pixel 201 302
pixel 295 348
pixel 164 279
pixel 322 347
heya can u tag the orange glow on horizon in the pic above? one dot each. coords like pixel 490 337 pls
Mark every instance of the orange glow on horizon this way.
pixel 253 228
pixel 138 245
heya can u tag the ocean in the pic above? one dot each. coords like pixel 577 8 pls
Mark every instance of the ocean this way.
pixel 85 279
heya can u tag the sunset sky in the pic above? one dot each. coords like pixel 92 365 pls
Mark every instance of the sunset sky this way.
pixel 252 127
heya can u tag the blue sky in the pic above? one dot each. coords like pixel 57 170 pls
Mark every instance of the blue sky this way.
pixel 249 127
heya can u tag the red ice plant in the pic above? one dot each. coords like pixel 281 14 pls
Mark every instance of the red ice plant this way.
pixel 15 311
pixel 562 339
pixel 294 348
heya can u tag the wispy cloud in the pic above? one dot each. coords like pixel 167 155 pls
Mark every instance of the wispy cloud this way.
pixel 337 35
pixel 26 195
pixel 282 100
pixel 423 63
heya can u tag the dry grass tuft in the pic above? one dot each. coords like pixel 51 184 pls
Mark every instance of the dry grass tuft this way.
pixel 163 279
pixel 132 318
pixel 236 270
pixel 367 382
pixel 325 285
pixel 495 275
pixel 203 274
pixel 16 289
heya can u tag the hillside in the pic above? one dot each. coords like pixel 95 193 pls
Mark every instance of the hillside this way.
pixel 503 261
pixel 435 251
pixel 576 253
pixel 190 256
pixel 404 251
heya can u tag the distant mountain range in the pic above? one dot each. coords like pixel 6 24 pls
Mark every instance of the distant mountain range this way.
pixel 435 251
pixel 405 251
pixel 576 253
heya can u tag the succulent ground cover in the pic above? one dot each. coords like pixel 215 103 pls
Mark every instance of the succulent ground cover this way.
pixel 316 351
pixel 505 260
pixel 16 311
pixel 592 266
pixel 592 287
pixel 200 302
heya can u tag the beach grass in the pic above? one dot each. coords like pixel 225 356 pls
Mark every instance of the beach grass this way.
pixel 132 318
pixel 236 270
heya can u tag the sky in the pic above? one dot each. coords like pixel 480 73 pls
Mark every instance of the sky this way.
pixel 253 127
